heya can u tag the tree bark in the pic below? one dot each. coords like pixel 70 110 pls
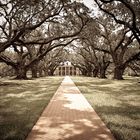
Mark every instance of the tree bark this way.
pixel 34 71
pixel 118 72
pixel 21 73
pixel 95 72
pixel 51 73
pixel 41 73
pixel 89 74
pixel 84 72
pixel 45 72
pixel 102 73
pixel 103 68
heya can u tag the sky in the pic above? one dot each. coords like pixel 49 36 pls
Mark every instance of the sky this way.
pixel 88 3
pixel 91 5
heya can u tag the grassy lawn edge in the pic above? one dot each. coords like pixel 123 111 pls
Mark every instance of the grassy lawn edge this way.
pixel 116 102
pixel 22 103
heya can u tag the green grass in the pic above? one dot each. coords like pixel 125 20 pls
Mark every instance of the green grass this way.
pixel 21 104
pixel 116 102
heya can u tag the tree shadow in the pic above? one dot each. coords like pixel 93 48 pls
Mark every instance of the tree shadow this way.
pixel 17 119
pixel 9 84
pixel 121 127
pixel 124 110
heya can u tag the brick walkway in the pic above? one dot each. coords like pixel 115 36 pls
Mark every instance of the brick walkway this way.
pixel 69 117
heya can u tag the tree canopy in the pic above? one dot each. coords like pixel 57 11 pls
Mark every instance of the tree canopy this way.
pixel 34 36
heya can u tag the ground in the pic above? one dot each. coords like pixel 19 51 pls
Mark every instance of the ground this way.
pixel 116 102
pixel 21 103
pixel 69 116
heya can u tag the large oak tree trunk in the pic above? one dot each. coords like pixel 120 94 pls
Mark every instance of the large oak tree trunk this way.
pixel 103 68
pixel 51 72
pixel 89 74
pixel 45 72
pixel 34 71
pixel 21 73
pixel 102 73
pixel 118 72
pixel 84 72
pixel 40 72
pixel 95 72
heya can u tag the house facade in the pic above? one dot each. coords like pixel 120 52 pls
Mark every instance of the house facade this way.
pixel 66 69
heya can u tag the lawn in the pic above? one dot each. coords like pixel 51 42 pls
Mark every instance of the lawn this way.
pixel 21 104
pixel 116 102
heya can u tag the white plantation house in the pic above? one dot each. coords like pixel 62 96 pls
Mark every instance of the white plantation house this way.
pixel 67 69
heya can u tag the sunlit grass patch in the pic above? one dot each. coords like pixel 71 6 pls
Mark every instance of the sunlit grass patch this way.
pixel 21 103
pixel 116 102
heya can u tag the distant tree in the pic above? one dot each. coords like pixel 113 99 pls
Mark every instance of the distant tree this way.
pixel 77 60
pixel 106 42
pixel 51 61
pixel 120 45
pixel 95 62
pixel 91 38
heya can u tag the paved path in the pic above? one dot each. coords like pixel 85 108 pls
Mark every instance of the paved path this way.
pixel 69 117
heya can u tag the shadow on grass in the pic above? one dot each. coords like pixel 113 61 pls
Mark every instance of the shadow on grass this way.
pixel 123 121
pixel 14 125
pixel 9 84
pixel 131 112
pixel 117 103
pixel 21 104
pixel 111 88
pixel 124 132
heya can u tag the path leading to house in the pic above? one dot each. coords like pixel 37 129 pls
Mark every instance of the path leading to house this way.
pixel 69 117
